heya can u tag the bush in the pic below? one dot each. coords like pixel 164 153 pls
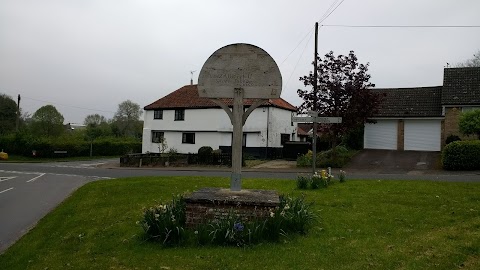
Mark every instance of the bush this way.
pixel 303 181
pixel 205 150
pixel 335 159
pixel 24 144
pixel 165 223
pixel 452 138
pixel 462 155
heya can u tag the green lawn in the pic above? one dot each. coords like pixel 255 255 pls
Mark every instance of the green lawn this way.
pixel 361 225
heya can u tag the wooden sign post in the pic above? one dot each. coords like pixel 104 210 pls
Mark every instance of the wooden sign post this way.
pixel 316 118
pixel 239 71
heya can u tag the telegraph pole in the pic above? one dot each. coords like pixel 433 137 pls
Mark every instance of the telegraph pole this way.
pixel 315 92
pixel 18 114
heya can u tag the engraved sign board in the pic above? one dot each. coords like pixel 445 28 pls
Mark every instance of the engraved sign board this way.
pixel 242 66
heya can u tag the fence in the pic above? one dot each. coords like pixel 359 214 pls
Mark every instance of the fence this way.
pixel 176 160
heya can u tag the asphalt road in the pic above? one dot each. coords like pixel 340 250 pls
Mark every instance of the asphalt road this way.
pixel 28 191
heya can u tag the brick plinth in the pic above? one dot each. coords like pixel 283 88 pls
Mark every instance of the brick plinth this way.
pixel 215 204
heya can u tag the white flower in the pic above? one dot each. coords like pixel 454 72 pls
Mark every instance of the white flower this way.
pixel 272 214
pixel 286 207
pixel 195 232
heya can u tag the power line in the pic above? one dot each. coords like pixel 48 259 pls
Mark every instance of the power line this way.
pixel 77 107
pixel 327 13
pixel 301 41
pixel 401 26
pixel 295 67
pixel 325 17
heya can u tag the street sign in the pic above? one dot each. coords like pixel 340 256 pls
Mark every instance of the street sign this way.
pixel 328 120
pixel 302 119
pixel 317 119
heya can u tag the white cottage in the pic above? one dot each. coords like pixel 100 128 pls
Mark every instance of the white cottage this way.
pixel 188 122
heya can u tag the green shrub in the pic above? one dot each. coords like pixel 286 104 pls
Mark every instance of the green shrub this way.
pixel 462 155
pixel 303 181
pixel 452 138
pixel 165 223
pixel 24 144
pixel 335 159
pixel 316 181
pixel 205 150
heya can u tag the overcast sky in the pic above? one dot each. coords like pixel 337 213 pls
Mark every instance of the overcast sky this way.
pixel 96 54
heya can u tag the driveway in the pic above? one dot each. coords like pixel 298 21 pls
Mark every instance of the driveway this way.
pixel 395 162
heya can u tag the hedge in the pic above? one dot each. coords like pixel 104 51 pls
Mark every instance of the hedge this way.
pixel 461 155
pixel 46 147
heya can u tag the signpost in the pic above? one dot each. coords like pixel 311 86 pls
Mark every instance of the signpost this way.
pixel 239 71
pixel 316 118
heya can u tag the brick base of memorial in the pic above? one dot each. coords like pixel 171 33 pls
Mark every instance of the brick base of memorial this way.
pixel 210 204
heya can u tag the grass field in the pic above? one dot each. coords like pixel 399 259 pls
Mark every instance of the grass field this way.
pixel 361 225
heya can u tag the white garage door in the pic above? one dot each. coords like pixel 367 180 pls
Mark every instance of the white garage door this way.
pixel 423 135
pixel 382 135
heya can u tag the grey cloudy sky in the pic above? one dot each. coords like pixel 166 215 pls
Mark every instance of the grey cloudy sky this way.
pixel 96 54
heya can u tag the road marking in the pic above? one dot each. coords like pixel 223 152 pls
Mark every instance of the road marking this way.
pixel 35 178
pixel 59 174
pixel 5 178
pixel 6 190
pixel 20 172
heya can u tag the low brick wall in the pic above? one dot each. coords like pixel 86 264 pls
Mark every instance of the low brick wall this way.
pixel 210 204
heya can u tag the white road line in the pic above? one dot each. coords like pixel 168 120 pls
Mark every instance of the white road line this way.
pixel 5 178
pixel 6 190
pixel 20 172
pixel 35 178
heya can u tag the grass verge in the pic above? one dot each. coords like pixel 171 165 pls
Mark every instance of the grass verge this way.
pixel 362 225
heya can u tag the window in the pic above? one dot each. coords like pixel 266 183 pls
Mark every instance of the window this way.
pixel 158 114
pixel 467 109
pixel 179 115
pixel 188 138
pixel 157 136
pixel 284 138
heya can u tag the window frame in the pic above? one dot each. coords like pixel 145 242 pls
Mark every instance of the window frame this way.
pixel 184 137
pixel 282 141
pixel 158 116
pixel 157 131
pixel 179 115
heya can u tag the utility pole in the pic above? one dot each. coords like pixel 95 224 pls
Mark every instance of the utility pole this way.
pixel 315 92
pixel 18 114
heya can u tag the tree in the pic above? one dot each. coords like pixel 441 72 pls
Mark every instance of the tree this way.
pixel 343 91
pixel 8 114
pixel 97 126
pixel 127 118
pixel 474 62
pixel 47 121
pixel 469 123
pixel 94 119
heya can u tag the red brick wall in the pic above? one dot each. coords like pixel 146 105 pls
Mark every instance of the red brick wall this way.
pixel 197 213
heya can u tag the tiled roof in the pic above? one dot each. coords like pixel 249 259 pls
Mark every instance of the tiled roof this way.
pixel 461 86
pixel 411 102
pixel 303 129
pixel 187 98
